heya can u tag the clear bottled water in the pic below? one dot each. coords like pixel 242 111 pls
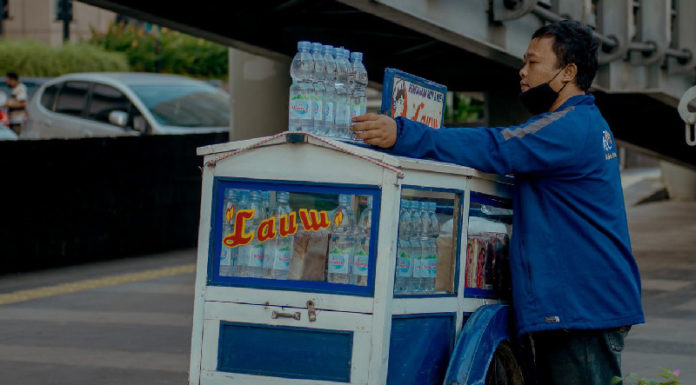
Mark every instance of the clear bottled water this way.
pixel 350 107
pixel 301 91
pixel 361 262
pixel 329 90
pixel 250 257
pixel 359 96
pixel 404 268
pixel 278 251
pixel 416 283
pixel 341 244
pixel 342 95
pixel 432 251
pixel 228 255
pixel 318 78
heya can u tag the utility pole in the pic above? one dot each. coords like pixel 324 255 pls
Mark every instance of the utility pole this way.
pixel 65 14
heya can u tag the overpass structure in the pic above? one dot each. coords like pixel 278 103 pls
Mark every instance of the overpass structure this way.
pixel 647 56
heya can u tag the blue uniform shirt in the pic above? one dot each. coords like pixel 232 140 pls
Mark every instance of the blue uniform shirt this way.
pixel 570 253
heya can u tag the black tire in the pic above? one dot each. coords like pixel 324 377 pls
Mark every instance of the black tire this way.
pixel 504 368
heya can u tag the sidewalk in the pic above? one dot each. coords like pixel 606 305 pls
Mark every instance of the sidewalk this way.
pixel 663 236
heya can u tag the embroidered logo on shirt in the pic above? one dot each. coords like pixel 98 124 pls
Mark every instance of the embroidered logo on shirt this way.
pixel 608 145
pixel 553 319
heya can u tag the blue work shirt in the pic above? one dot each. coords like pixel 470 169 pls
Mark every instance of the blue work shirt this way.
pixel 570 252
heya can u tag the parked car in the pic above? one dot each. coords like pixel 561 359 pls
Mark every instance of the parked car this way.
pixel 116 104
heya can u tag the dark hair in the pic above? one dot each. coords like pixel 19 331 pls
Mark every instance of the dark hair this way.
pixel 573 43
pixel 12 75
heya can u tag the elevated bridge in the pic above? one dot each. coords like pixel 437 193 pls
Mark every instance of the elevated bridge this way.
pixel 648 53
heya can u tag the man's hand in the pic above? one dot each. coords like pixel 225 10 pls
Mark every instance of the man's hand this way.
pixel 374 129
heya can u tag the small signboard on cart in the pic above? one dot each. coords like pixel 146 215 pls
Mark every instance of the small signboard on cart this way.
pixel 413 97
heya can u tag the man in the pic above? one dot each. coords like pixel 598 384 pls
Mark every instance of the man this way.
pixel 576 286
pixel 17 102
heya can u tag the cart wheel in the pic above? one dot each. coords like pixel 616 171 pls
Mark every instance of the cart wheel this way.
pixel 504 368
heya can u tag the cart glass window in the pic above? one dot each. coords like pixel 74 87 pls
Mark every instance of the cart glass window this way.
pixel 427 242
pixel 318 237
pixel 487 272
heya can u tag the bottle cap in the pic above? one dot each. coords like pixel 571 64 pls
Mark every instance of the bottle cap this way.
pixel 356 56
pixel 303 44
pixel 316 47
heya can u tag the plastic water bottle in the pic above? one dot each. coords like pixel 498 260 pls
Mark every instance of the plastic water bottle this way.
pixel 318 78
pixel 342 113
pixel 329 90
pixel 250 256
pixel 301 90
pixel 361 262
pixel 278 252
pixel 342 243
pixel 228 255
pixel 432 244
pixel 351 89
pixel 359 95
pixel 404 268
pixel 416 283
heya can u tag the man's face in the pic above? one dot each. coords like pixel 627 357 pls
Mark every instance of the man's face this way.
pixel 540 64
pixel 10 82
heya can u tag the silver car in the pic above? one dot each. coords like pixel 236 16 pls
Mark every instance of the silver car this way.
pixel 117 104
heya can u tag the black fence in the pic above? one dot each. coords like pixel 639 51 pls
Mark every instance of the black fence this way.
pixel 73 201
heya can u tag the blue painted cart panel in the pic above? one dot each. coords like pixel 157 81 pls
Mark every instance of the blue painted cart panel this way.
pixel 282 351
pixel 420 348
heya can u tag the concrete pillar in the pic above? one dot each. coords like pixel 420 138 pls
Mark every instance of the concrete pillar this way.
pixel 259 95
pixel 680 181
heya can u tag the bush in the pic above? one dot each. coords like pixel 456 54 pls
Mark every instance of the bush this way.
pixel 170 52
pixel 30 57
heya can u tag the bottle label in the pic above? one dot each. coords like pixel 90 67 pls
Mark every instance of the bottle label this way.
pixel 299 108
pixel 432 266
pixel 282 261
pixel 361 263
pixel 403 265
pixel 256 259
pixel 329 112
pixel 317 109
pixel 226 256
pixel 338 261
pixel 354 111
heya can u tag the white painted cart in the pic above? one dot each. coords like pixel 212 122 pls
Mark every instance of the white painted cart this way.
pixel 298 319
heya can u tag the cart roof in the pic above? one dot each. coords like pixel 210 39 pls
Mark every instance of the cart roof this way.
pixel 400 162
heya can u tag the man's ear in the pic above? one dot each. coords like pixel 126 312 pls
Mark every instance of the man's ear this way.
pixel 570 73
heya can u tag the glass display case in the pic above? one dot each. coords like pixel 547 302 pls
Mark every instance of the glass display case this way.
pixel 427 242
pixel 487 271
pixel 291 236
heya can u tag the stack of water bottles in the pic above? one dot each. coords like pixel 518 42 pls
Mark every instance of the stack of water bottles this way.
pixel 417 255
pixel 348 260
pixel 270 259
pixel 327 91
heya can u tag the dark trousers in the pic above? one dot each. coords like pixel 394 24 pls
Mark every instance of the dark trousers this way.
pixel 578 357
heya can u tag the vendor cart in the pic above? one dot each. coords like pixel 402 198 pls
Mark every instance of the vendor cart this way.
pixel 322 262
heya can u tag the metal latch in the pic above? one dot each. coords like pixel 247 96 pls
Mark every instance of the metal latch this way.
pixel 311 311
pixel 276 314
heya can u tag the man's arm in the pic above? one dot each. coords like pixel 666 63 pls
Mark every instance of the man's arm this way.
pixel 544 144
pixel 17 104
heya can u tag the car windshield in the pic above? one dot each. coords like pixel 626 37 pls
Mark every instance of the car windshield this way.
pixel 186 105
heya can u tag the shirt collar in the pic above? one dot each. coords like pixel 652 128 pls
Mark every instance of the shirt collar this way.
pixel 587 98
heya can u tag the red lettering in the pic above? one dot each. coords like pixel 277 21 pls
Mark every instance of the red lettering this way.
pixel 288 227
pixel 239 237
pixel 266 230
pixel 314 221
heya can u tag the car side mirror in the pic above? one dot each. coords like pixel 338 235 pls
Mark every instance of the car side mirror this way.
pixel 118 118
pixel 141 125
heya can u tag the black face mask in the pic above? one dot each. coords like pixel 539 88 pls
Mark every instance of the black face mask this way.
pixel 539 99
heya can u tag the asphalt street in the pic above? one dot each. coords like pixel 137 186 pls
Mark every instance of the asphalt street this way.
pixel 129 321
